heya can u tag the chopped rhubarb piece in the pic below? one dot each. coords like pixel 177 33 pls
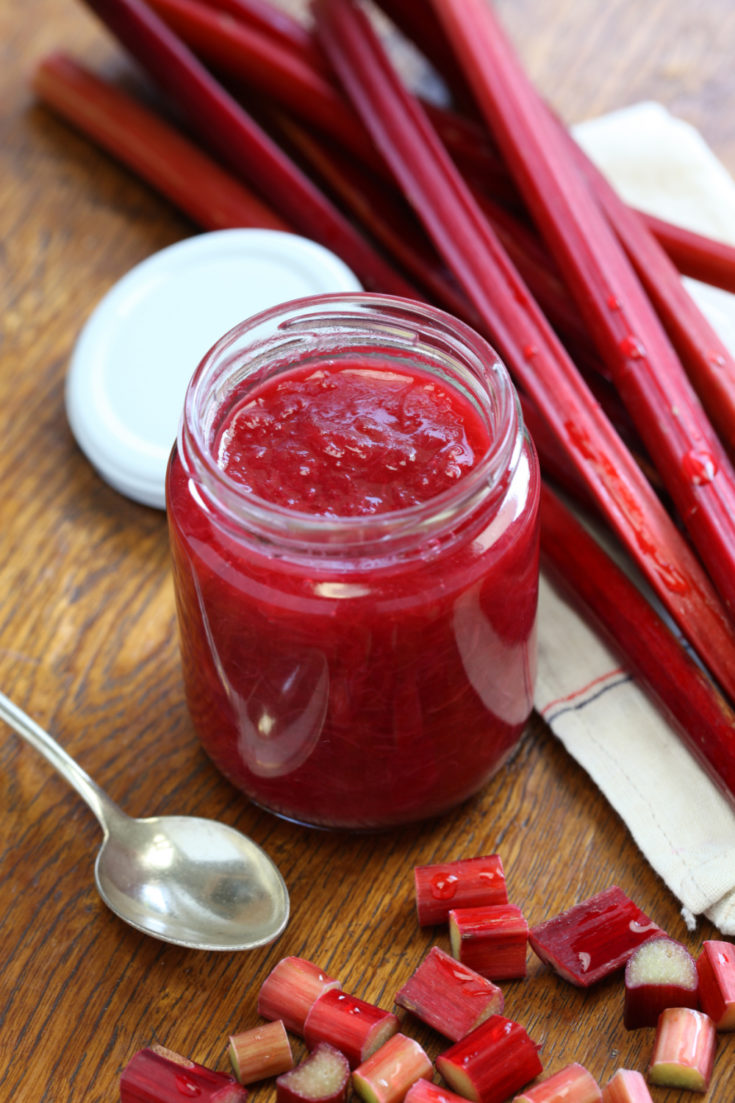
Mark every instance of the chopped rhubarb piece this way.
pixel 387 1074
pixel 491 940
pixel 426 1091
pixel 324 1077
pixel 351 1025
pixel 158 1075
pixel 684 1050
pixel 492 1062
pixel 448 996
pixel 594 938
pixel 572 1084
pixel 716 972
pixel 660 974
pixel 626 1086
pixel 290 990
pixel 261 1052
pixel 466 883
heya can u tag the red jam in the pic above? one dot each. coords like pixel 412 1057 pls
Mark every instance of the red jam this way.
pixel 350 439
pixel 355 554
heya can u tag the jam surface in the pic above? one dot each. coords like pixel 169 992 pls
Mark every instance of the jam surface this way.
pixel 346 440
pixel 357 692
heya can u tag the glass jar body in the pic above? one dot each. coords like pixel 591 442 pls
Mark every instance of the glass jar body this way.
pixel 366 674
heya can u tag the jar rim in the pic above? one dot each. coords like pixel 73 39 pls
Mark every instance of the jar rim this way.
pixel 387 313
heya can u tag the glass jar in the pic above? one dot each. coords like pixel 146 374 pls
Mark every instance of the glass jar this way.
pixel 359 671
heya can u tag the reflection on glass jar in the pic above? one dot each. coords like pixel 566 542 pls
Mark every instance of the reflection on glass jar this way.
pixel 363 665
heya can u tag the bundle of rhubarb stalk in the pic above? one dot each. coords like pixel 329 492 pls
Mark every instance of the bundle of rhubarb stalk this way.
pixel 489 209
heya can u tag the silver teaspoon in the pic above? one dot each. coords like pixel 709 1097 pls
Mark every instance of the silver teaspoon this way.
pixel 185 880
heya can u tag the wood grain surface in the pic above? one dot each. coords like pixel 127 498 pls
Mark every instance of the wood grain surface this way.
pixel 88 637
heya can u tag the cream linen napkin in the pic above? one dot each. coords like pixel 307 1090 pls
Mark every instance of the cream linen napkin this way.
pixel 679 821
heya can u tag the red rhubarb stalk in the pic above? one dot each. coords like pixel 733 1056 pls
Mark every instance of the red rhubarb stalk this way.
pixel 231 134
pixel 287 73
pixel 290 991
pixel 690 458
pixel 158 1075
pixel 353 1026
pixel 716 972
pixel 276 22
pixel 258 60
pixel 150 147
pixel 707 359
pixel 380 210
pixel 645 643
pixel 660 974
pixel 626 1086
pixel 323 1077
pixel 462 883
pixel 418 23
pixel 260 1053
pixel 684 1050
pixel 512 321
pixel 491 1063
pixel 491 939
pixel 297 78
pixel 572 1084
pixel 449 996
pixel 696 255
pixel 387 1074
pixel 594 938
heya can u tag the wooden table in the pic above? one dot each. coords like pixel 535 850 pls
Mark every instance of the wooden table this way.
pixel 88 636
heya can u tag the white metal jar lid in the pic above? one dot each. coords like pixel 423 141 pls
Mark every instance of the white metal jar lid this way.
pixel 143 341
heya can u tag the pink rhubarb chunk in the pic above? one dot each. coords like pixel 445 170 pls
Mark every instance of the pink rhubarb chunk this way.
pixel 465 883
pixel 626 1086
pixel 290 990
pixel 571 1084
pixel 426 1091
pixel 353 1026
pixel 449 996
pixel 491 939
pixel 158 1075
pixel 684 1050
pixel 593 938
pixel 323 1077
pixel 387 1074
pixel 492 1062
pixel 716 972
pixel 661 973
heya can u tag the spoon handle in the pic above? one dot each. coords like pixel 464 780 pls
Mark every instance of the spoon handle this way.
pixel 103 807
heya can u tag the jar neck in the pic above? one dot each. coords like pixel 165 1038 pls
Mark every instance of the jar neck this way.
pixel 327 327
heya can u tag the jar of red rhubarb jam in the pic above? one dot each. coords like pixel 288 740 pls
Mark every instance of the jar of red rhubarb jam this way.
pixel 352 505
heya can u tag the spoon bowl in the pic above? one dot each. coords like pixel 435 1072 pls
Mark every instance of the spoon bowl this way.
pixel 192 882
pixel 188 881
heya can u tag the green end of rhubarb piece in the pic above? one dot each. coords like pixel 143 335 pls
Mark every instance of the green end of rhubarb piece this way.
pixel 669 1074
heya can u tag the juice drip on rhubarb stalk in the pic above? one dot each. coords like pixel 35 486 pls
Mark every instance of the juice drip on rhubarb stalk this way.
pixel 343 440
pixel 700 467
